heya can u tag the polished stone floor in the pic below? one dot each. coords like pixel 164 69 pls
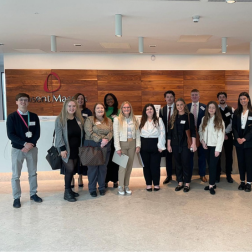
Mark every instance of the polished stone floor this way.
pixel 145 221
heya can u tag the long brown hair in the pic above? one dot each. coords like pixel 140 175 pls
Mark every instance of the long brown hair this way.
pixel 175 111
pixel 76 97
pixel 63 114
pixel 105 118
pixel 145 118
pixel 217 120
pixel 132 117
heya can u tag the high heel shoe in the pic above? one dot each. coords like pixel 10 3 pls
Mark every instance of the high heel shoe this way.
pixel 80 182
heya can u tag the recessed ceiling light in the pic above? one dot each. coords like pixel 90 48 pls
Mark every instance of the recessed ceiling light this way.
pixel 77 44
pixel 1 44
pixel 230 1
pixel 36 13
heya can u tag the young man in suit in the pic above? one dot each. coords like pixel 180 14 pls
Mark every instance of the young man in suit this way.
pixel 23 129
pixel 227 115
pixel 198 110
pixel 165 113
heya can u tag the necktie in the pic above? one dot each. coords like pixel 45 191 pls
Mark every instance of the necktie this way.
pixel 195 113
pixel 169 117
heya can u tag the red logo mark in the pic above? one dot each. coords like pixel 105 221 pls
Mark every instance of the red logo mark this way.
pixel 46 83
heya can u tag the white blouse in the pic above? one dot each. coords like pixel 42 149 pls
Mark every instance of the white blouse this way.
pixel 150 130
pixel 244 118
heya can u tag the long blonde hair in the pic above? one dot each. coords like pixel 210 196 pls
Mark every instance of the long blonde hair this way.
pixel 132 117
pixel 175 111
pixel 63 114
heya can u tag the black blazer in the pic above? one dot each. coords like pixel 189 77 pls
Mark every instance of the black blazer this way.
pixel 201 113
pixel 163 115
pixel 237 130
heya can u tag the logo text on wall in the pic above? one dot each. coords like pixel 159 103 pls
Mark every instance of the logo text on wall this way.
pixel 49 98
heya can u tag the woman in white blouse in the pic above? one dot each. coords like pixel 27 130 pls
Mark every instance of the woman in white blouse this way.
pixel 126 141
pixel 242 129
pixel 212 134
pixel 152 132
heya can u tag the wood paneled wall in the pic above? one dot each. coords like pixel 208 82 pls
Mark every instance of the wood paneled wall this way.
pixel 138 87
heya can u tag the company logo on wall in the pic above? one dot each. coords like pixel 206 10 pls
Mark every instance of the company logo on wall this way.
pixel 50 98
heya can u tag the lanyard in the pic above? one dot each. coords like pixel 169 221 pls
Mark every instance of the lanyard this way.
pixel 24 120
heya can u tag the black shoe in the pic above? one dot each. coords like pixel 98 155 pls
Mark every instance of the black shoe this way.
pixel 229 179
pixel 93 194
pixel 36 198
pixel 115 185
pixel 75 194
pixel 186 188
pixel 241 186
pixel 167 180
pixel 102 192
pixel 179 187
pixel 81 185
pixel 156 189
pixel 72 186
pixel 212 191
pixel 248 187
pixel 68 195
pixel 16 203
pixel 207 187
pixel 149 189
pixel 106 185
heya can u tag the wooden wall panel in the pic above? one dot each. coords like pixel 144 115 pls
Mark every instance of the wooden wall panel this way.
pixel 138 87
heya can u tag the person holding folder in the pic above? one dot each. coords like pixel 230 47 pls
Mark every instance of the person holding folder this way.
pixel 127 142
pixel 152 132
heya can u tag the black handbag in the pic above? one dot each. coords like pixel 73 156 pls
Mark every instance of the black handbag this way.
pixel 53 157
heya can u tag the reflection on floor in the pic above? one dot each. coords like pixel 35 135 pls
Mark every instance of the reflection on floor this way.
pixel 145 221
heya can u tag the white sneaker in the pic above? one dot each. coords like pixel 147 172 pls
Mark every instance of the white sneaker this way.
pixel 120 190
pixel 127 190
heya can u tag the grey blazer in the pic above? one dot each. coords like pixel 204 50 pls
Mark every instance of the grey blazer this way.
pixel 62 137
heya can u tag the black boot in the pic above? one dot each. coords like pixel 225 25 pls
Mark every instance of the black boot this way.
pixel 68 195
pixel 75 194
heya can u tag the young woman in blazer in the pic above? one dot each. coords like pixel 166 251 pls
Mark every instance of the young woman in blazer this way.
pixel 152 132
pixel 98 132
pixel 212 134
pixel 242 129
pixel 69 135
pixel 181 127
pixel 126 141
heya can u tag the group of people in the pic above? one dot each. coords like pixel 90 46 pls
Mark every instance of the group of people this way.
pixel 177 133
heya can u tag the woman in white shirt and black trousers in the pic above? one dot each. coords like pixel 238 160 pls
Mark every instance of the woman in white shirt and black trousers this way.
pixel 242 129
pixel 152 132
pixel 212 134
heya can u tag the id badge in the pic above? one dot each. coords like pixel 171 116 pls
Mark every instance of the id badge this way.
pixel 28 134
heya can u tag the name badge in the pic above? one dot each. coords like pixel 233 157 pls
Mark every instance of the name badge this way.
pixel 227 114
pixel 28 134
pixel 249 118
pixel 182 122
pixel 85 115
pixel 32 124
pixel 202 108
pixel 97 123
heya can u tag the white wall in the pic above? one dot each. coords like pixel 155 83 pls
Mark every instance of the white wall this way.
pixel 126 62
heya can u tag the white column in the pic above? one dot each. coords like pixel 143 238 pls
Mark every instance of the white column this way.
pixel 250 70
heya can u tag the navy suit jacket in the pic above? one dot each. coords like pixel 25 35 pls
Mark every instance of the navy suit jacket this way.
pixel 201 112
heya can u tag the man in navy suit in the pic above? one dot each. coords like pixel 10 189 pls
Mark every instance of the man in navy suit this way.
pixel 198 110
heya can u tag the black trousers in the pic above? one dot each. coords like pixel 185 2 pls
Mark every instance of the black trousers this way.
pixel 244 163
pixel 228 148
pixel 212 163
pixel 151 158
pixel 168 157
pixel 182 162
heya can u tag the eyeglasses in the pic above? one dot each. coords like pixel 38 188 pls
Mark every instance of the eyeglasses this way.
pixel 23 100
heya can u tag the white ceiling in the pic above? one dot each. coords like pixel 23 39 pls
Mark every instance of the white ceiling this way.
pixel 91 22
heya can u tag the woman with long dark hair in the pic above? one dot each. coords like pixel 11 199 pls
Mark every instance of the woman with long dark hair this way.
pixel 181 128
pixel 212 134
pixel 242 129
pixel 85 112
pixel 69 135
pixel 112 111
pixel 152 133
pixel 98 132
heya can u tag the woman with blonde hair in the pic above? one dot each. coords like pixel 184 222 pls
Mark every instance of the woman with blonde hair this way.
pixel 212 134
pixel 181 131
pixel 127 142
pixel 69 134
pixel 98 132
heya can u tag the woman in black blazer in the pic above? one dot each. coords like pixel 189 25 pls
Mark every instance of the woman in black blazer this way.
pixel 242 129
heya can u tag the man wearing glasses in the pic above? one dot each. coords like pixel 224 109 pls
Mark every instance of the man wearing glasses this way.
pixel 23 129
